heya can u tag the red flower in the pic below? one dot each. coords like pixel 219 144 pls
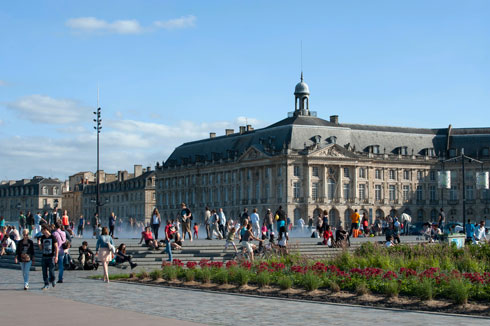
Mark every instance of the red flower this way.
pixel 191 264
pixel 231 263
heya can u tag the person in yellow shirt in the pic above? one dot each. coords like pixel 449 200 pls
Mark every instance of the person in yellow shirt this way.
pixel 355 217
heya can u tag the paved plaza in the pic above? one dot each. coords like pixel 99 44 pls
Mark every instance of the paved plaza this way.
pixel 86 301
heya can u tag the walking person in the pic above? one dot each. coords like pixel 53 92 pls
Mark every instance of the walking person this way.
pixel 324 221
pixel 207 217
pixel 22 221
pixel 38 221
pixel 25 256
pixel 29 221
pixel 186 216
pixel 156 220
pixel 106 246
pixel 60 236
pixel 169 233
pixel 269 221
pixel 49 248
pixel 81 226
pixel 65 220
pixel 215 225
pixel 222 222
pixel 354 217
pixel 442 219
pixel 112 224
pixel 255 219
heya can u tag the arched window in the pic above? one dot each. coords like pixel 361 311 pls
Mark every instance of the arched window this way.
pixel 44 190
pixel 333 217
pixel 347 213
pixel 380 214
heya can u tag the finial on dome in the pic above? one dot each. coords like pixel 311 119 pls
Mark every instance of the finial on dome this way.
pixel 301 76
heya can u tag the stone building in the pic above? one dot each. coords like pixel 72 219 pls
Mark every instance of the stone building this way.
pixel 131 195
pixel 36 194
pixel 308 164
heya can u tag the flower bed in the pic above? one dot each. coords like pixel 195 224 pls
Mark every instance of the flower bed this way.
pixel 420 272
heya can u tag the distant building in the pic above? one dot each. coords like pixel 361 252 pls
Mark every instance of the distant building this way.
pixel 36 194
pixel 308 164
pixel 130 195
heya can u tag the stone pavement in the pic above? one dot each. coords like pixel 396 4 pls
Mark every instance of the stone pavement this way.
pixel 197 306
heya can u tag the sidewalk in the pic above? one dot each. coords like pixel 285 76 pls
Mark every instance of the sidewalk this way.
pixel 27 308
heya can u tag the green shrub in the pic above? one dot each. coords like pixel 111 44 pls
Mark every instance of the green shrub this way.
pixel 169 273
pixel 458 290
pixel 143 274
pixel 241 277
pixel 362 288
pixel 285 282
pixel 263 279
pixel 334 287
pixel 311 281
pixel 190 275
pixel 156 274
pixel 204 275
pixel 220 276
pixel 424 290
pixel 391 289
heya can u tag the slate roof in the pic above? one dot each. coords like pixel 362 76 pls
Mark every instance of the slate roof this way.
pixel 297 131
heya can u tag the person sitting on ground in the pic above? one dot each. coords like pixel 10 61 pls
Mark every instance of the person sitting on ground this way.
pixel 122 257
pixel 14 234
pixel 86 258
pixel 480 233
pixel 435 233
pixel 340 235
pixel 148 237
pixel 8 246
pixel 328 239
pixel 247 244
pixel 389 242
pixel 177 244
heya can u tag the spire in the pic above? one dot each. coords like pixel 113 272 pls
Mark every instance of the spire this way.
pixel 301 75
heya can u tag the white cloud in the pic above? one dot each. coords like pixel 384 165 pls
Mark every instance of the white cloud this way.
pixel 92 24
pixel 45 109
pixel 177 23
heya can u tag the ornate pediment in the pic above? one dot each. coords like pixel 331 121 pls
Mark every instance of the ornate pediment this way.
pixel 333 151
pixel 252 153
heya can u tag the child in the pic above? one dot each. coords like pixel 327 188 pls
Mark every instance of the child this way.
pixel 389 243
pixel 282 241
pixel 196 230
pixel 328 236
pixel 229 239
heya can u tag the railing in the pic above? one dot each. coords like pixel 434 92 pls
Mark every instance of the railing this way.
pixel 453 202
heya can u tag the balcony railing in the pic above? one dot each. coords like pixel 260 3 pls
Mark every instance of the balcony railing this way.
pixel 453 202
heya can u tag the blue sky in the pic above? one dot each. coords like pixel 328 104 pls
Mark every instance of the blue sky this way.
pixel 173 71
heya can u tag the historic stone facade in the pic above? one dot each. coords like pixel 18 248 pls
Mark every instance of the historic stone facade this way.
pixel 307 164
pixel 132 195
pixel 36 195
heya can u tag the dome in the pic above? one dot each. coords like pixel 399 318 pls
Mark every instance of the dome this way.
pixel 301 88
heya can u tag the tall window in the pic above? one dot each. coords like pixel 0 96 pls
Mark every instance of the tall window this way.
pixel 279 171
pixel 470 193
pixel 420 193
pixel 406 192
pixel 378 174
pixel 267 190
pixel 432 175
pixel 257 190
pixel 267 172
pixel 249 174
pixel 296 189
pixel 279 190
pixel 331 188
pixel 432 193
pixel 296 170
pixel 314 190
pixel 314 171
pixel 249 192
pixel 392 174
pixel 420 175
pixel 362 191
pixel 346 190
pixel 44 190
pixel 346 173
pixel 362 173
pixel 406 174
pixel 392 192
pixel 453 193
pixel 377 192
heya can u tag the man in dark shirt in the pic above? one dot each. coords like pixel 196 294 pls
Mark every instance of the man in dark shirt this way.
pixel 442 219
pixel 49 248
pixel 86 257
pixel 244 215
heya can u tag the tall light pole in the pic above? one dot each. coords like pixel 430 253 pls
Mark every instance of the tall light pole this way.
pixel 97 127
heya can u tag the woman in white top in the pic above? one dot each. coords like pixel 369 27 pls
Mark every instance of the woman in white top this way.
pixel 156 220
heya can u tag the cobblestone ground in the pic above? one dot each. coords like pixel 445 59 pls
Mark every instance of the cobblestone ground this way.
pixel 221 309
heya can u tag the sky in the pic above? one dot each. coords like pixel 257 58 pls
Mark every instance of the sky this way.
pixel 174 71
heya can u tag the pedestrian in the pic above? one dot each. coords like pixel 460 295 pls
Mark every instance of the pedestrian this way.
pixel 222 222
pixel 169 233
pixel 324 220
pixel 255 219
pixel 65 220
pixel 95 224
pixel 365 224
pixel 354 227
pixel 38 221
pixel 49 248
pixel 442 219
pixel 396 230
pixel 269 221
pixel 60 236
pixel 319 226
pixel 207 222
pixel 22 221
pixel 186 216
pixel 106 246
pixel 29 221
pixel 244 216
pixel 81 225
pixel 25 256
pixel 215 225
pixel 229 239
pixel 196 231
pixel 156 220
pixel 112 224
pixel 470 231
pixel 2 221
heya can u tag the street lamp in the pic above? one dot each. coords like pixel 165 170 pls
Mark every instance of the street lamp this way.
pixel 97 127
pixel 463 159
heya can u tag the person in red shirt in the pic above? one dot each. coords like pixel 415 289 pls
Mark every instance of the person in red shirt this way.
pixel 327 234
pixel 65 220
pixel 148 237
pixel 196 231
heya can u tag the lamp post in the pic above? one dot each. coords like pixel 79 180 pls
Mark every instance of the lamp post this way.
pixel 463 158
pixel 97 127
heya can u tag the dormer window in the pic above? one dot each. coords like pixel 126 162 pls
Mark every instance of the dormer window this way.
pixel 375 149
pixel 403 150
pixel 430 152
pixel 332 140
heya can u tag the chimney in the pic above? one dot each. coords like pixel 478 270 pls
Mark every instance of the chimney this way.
pixel 242 129
pixel 334 119
pixel 229 132
pixel 119 176
pixel 138 170
pixel 212 135
pixel 148 168
pixel 124 175
pixel 249 128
